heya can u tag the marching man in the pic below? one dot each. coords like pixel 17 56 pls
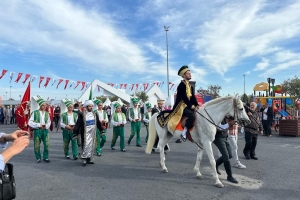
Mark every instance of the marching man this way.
pixel 40 122
pixel 100 136
pixel 67 123
pixel 135 119
pixel 147 117
pixel 118 121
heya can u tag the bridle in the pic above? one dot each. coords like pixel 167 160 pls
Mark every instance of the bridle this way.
pixel 210 120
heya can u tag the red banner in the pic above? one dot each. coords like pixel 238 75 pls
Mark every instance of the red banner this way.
pixel 47 81
pixel 83 84
pixel 41 79
pixel 23 113
pixel 67 81
pixel 19 77
pixel 26 77
pixel 78 82
pixel 3 73
pixel 59 82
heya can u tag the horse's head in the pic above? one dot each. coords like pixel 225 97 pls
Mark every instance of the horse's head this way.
pixel 240 113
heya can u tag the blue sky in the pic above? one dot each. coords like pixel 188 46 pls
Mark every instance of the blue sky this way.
pixel 124 42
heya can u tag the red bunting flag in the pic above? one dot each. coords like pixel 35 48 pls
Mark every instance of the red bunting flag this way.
pixel 26 77
pixel 67 81
pixel 121 86
pixel 144 86
pixel 137 86
pixel 125 85
pixel 47 81
pixel 132 87
pixel 19 77
pixel 171 86
pixel 41 79
pixel 98 88
pixel 112 84
pixel 147 84
pixel 3 73
pixel 78 82
pixel 59 82
pixel 83 84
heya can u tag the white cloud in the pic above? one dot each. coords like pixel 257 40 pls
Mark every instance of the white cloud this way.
pixel 262 65
pixel 248 72
pixel 58 27
pixel 228 80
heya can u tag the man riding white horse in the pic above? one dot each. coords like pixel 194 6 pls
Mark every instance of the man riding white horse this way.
pixel 185 105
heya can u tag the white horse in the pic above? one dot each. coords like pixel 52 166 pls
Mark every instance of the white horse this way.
pixel 204 131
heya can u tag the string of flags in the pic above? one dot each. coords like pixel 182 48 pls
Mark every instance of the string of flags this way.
pixel 83 85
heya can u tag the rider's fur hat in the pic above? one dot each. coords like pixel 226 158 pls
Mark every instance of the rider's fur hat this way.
pixel 182 70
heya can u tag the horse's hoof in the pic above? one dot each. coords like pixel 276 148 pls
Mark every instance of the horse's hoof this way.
pixel 165 170
pixel 199 177
pixel 219 185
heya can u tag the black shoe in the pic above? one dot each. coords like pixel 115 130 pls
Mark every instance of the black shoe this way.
pixel 84 163
pixel 128 142
pixel 113 148
pixel 38 161
pixel 98 154
pixel 46 160
pixel 254 158
pixel 138 145
pixel 76 158
pixel 182 138
pixel 232 180
pixel 123 150
pixel 247 156
pixel 178 141
pixel 90 162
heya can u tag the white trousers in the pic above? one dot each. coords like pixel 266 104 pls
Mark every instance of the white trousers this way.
pixel 232 140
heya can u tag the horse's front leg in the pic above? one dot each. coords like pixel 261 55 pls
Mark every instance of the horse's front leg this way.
pixel 209 152
pixel 198 162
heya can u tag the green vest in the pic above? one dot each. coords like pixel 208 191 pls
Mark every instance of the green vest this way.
pixel 116 119
pixel 147 117
pixel 37 116
pixel 132 113
pixel 104 113
pixel 65 120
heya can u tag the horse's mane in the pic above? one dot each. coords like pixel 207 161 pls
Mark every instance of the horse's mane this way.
pixel 218 100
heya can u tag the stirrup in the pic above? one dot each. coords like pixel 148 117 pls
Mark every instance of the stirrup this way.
pixel 182 138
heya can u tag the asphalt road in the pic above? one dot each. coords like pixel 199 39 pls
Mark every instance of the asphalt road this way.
pixel 136 175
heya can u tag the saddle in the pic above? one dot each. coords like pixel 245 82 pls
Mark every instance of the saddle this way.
pixel 180 126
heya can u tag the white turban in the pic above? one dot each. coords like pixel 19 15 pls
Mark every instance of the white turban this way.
pixel 88 103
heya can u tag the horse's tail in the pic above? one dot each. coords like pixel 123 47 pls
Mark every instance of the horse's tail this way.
pixel 152 134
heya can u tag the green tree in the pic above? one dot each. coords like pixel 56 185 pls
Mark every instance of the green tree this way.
pixel 214 91
pixel 291 86
pixel 142 96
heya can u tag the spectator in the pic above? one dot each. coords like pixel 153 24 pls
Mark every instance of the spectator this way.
pixel 12 114
pixel 1 114
pixel 20 141
pixel 56 116
pixel 7 115
pixel 267 119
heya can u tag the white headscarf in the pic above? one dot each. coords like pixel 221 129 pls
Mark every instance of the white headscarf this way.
pixel 88 103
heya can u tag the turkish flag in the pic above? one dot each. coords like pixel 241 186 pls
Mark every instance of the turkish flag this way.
pixel 41 80
pixel 78 82
pixel 19 77
pixel 59 82
pixel 67 81
pixel 3 73
pixel 47 81
pixel 83 84
pixel 23 113
pixel 26 77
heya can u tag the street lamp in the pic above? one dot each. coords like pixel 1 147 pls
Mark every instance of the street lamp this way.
pixel 10 93
pixel 6 95
pixel 244 86
pixel 273 81
pixel 167 29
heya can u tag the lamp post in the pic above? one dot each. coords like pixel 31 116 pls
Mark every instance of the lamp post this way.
pixel 269 82
pixel 273 81
pixel 167 29
pixel 244 86
pixel 6 95
pixel 10 93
